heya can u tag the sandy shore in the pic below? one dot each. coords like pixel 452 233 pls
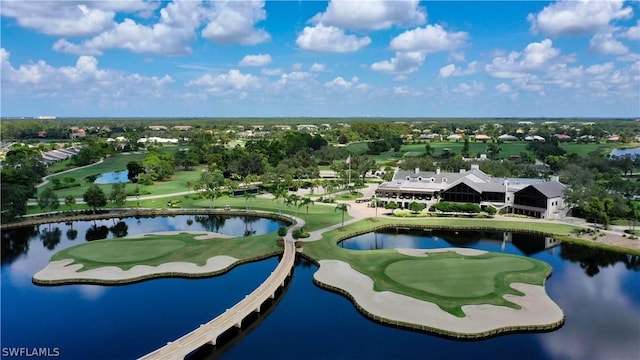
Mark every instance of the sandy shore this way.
pixel 538 310
pixel 63 271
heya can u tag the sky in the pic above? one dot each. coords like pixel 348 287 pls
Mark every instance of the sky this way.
pixel 341 58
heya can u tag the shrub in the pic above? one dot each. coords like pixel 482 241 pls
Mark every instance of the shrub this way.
pixel 490 210
pixel 456 207
pixel 282 231
pixel 391 205
pixel 300 234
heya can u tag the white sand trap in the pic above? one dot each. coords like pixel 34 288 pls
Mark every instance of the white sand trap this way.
pixel 62 271
pixel 423 252
pixel 537 308
pixel 198 235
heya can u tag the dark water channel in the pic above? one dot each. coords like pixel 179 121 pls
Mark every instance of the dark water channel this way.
pixel 599 292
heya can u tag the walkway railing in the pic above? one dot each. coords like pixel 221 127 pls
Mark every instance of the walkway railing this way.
pixel 208 333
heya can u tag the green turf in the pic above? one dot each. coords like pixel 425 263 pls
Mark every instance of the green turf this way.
pixel 154 250
pixel 453 275
pixel 125 251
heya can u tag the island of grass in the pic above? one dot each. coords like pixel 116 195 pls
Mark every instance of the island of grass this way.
pixel 461 293
pixel 178 254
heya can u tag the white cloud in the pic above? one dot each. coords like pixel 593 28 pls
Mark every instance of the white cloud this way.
pixel 453 70
pixel 371 15
pixel 256 60
pixel 606 44
pixel 469 89
pixel 271 72
pixel 599 69
pixel 322 38
pixel 535 57
pixel 294 76
pixel 402 63
pixel 578 17
pixel 503 88
pixel 447 71
pixel 232 22
pixel 225 84
pixel 170 36
pixel 226 22
pixel 84 79
pixel 316 67
pixel 429 39
pixel 60 18
pixel 633 32
pixel 341 83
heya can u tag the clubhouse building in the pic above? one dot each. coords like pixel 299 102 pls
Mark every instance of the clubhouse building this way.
pixel 531 197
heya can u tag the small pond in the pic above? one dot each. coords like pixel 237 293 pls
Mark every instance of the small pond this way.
pixel 625 152
pixel 113 177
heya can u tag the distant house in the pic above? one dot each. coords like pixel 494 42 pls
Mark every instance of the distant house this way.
pixel 159 140
pixel 614 138
pixel 182 127
pixel 482 137
pixel 454 137
pixel 282 127
pixel 562 137
pixel 507 137
pixel 429 136
pixel 534 138
pixel 77 132
pixel 307 127
pixel 158 127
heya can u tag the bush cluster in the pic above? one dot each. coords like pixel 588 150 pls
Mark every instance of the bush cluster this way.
pixel 456 207
pixel 300 234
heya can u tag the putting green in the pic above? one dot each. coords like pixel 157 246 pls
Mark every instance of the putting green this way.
pixel 456 276
pixel 125 251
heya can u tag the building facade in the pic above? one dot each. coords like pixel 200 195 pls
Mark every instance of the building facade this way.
pixel 531 197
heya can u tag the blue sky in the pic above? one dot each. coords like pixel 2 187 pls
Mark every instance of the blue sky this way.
pixel 339 58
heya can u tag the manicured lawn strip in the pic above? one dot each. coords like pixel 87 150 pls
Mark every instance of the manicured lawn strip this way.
pixel 320 215
pixel 125 251
pixel 150 250
pixel 326 248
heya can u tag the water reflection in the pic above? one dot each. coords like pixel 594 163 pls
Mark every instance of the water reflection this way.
pixel 16 242
pixel 120 229
pixel 50 238
pixel 96 232
pixel 592 260
pixel 602 320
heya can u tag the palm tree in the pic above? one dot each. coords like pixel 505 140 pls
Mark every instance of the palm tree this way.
pixel 293 199
pixel 305 201
pixel 247 199
pixel 329 187
pixel 69 201
pixel 279 193
pixel 344 208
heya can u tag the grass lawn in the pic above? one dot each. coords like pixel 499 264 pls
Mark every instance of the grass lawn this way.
pixel 447 279
pixel 154 250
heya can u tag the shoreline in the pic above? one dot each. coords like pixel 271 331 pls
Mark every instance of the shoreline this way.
pixel 538 312
pixel 61 272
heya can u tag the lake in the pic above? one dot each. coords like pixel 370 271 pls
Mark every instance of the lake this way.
pixel 625 152
pixel 113 177
pixel 598 291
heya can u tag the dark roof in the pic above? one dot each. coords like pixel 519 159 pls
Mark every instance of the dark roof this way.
pixel 550 189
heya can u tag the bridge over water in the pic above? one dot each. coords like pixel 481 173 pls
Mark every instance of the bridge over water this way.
pixel 208 333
